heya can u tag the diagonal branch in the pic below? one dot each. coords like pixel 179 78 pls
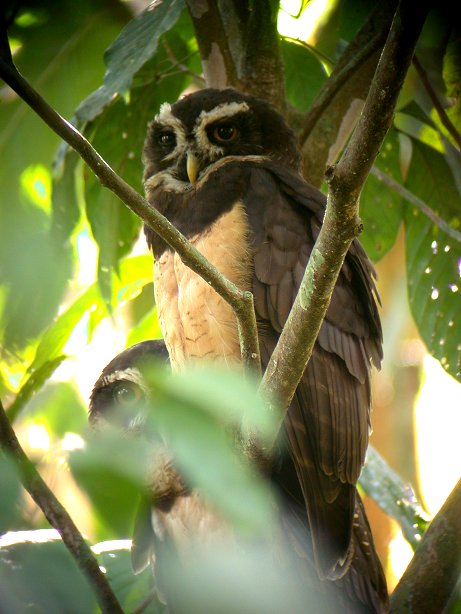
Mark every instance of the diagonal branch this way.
pixel 58 517
pixel 446 122
pixel 356 54
pixel 241 302
pixel 417 202
pixel 434 571
pixel 341 223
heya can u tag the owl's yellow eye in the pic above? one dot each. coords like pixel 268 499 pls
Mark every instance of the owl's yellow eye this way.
pixel 127 393
pixel 225 133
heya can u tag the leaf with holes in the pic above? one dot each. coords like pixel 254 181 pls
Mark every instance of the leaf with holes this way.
pixel 434 258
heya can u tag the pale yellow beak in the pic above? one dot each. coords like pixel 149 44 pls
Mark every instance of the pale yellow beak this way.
pixel 192 167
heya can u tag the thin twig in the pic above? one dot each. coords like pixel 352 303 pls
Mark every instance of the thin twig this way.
pixel 436 102
pixel 417 202
pixel 58 517
pixel 240 301
pixel 341 223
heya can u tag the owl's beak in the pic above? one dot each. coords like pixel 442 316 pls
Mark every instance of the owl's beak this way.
pixel 192 167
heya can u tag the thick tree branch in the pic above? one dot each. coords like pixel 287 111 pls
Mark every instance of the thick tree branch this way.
pixel 341 223
pixel 217 61
pixel 262 71
pixel 368 40
pixel 58 517
pixel 241 302
pixel 434 571
pixel 349 81
pixel 239 46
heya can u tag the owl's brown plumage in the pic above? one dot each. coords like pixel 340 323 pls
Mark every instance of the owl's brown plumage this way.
pixel 223 168
pixel 173 518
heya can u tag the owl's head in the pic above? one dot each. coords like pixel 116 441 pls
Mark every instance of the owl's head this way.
pixel 187 137
pixel 121 392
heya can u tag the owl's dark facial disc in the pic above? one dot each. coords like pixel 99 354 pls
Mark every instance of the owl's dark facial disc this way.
pixel 210 125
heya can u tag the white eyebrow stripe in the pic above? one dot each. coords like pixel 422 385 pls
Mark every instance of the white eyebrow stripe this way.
pixel 227 110
pixel 131 375
pixel 166 118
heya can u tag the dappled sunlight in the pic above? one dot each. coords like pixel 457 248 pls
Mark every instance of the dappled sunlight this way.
pixel 305 25
pixel 438 425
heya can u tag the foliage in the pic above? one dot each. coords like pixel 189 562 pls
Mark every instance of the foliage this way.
pixel 52 214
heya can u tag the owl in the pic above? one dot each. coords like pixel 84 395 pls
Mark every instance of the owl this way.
pixel 223 167
pixel 173 516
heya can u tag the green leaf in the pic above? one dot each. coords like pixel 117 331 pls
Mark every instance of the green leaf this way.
pixel 112 481
pixel 394 496
pixel 59 408
pixel 66 211
pixel 434 258
pixel 33 384
pixel 57 335
pixel 191 412
pixel 34 268
pixel 130 589
pixel 10 487
pixel 118 135
pixel 452 78
pixel 38 574
pixel 136 44
pixel 298 59
pixel 381 207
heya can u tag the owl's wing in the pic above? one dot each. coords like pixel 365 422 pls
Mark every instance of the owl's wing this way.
pixel 328 422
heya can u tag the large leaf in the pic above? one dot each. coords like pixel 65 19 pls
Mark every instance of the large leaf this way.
pixel 434 258
pixel 135 45
pixel 112 481
pixel 33 384
pixel 119 135
pixel 380 207
pixel 35 268
pixel 394 496
pixel 192 414
pixel 10 487
pixel 298 60
pixel 38 574
pixel 452 78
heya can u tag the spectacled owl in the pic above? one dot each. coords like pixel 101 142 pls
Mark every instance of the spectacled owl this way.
pixel 223 167
pixel 174 515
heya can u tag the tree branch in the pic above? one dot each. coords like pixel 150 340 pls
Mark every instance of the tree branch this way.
pixel 341 223
pixel 58 517
pixel 368 40
pixel 417 202
pixel 241 302
pixel 217 61
pixel 262 71
pixel 456 136
pixel 434 571
pixel 350 80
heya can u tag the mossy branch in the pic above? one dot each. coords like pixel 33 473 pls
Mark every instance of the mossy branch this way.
pixel 342 223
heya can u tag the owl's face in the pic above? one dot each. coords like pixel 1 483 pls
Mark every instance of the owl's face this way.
pixel 121 395
pixel 186 138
